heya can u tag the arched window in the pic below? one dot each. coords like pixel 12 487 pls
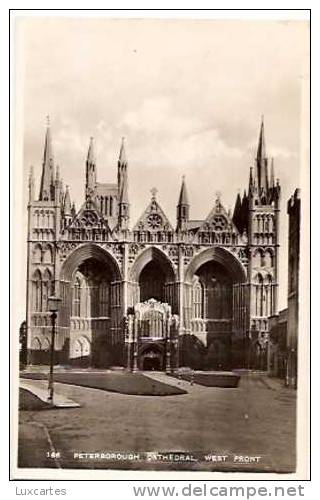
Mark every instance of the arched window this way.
pixel 197 293
pixel 36 344
pixel 269 295
pixel 47 256
pixel 259 295
pixel 36 291
pixel 37 254
pixel 47 289
pixel 269 258
pixel 82 347
pixel 46 344
pixel 76 303
pixel 104 298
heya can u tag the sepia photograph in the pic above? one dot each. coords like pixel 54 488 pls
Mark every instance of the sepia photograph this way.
pixel 160 176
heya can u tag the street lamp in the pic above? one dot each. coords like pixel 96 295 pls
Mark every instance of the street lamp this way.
pixel 53 306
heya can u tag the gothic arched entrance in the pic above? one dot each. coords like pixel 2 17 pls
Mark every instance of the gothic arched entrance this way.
pixel 151 358
pixel 90 317
pixel 215 308
pixel 152 276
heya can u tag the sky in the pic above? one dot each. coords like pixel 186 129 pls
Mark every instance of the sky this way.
pixel 188 96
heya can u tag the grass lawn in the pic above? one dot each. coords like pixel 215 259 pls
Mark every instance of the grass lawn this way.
pixel 28 401
pixel 211 379
pixel 124 383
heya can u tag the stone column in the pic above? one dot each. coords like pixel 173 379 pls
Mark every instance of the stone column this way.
pixel 135 345
pixel 168 344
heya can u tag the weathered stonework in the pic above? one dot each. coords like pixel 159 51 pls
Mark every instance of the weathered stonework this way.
pixel 217 277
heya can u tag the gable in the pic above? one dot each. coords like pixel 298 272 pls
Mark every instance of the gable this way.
pixel 218 220
pixel 153 219
pixel 89 217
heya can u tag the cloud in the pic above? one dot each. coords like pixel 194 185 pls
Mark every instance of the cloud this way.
pixel 187 95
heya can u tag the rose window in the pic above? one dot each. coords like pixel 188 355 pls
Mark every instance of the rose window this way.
pixel 154 221
pixel 219 223
pixel 89 219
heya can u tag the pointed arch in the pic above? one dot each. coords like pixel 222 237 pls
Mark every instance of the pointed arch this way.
pixel 47 288
pixel 269 257
pixel 197 297
pixel 259 289
pixel 46 344
pixel 81 347
pixel 222 256
pixel 159 257
pixel 36 344
pixel 76 299
pixel 47 255
pixel 37 254
pixel 89 251
pixel 37 290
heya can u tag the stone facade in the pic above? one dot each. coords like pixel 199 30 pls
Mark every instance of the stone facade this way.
pixel 293 209
pixel 152 295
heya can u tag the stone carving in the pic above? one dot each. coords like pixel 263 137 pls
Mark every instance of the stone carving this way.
pixel 65 247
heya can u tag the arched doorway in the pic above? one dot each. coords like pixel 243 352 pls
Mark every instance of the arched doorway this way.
pixel 151 358
pixel 153 276
pixel 152 282
pixel 90 317
pixel 215 300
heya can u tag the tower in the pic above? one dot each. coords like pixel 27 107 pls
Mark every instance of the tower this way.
pixel 44 219
pixel 263 242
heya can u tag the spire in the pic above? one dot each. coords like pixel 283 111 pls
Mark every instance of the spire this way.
pixel 122 165
pixel 183 207
pixel 236 218
pixel 124 203
pixel 73 209
pixel 57 173
pixel 124 195
pixel 123 187
pixel 272 184
pixel 91 158
pixel 261 151
pixel 262 162
pixel 31 184
pixel 244 211
pixel 91 174
pixel 183 198
pixel 122 155
pixel 67 202
pixel 47 167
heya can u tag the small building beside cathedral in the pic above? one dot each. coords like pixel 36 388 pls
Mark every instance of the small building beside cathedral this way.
pixel 155 294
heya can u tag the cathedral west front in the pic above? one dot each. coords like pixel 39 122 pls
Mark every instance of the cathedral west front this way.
pixel 153 294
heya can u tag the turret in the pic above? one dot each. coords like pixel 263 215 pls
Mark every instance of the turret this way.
pixel 73 210
pixel 122 166
pixel 67 210
pixel 183 207
pixel 123 189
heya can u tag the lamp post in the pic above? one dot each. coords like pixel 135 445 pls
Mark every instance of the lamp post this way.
pixel 53 306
